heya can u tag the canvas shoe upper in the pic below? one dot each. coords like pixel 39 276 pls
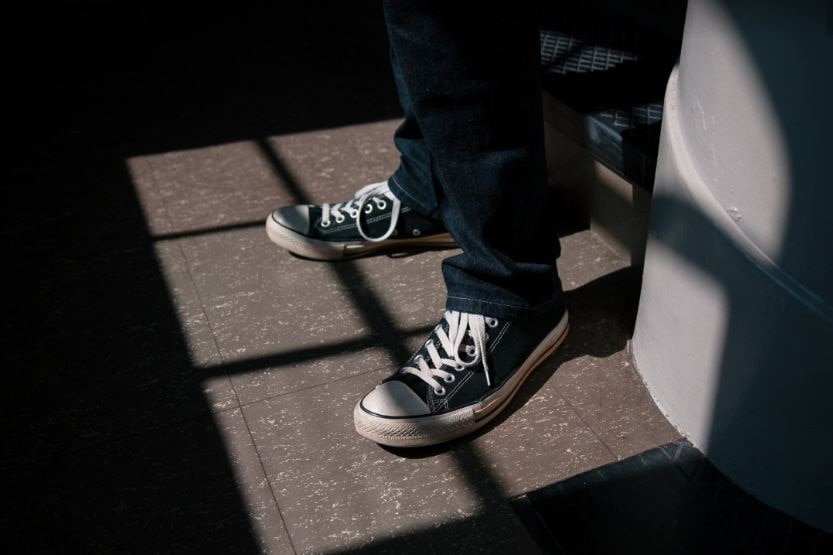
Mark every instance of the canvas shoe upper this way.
pixel 459 379
pixel 373 220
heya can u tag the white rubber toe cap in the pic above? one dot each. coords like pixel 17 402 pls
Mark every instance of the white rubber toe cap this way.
pixel 394 399
pixel 294 217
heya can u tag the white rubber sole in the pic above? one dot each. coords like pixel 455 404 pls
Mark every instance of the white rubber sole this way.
pixel 316 249
pixel 433 429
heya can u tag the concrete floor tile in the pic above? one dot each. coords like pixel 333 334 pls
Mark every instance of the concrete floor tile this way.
pixel 584 258
pixel 540 440
pixel 611 398
pixel 263 512
pixel 599 380
pixel 329 165
pixel 281 323
pixel 409 288
pixel 242 182
pixel 214 186
pixel 148 196
pixel 197 487
pixel 105 353
pixel 339 492
pixel 196 330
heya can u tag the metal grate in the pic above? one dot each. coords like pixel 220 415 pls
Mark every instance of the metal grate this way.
pixel 562 54
pixel 633 116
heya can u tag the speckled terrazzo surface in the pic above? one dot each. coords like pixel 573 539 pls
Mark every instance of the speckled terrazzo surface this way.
pixel 281 348
pixel 176 383
pixel 302 341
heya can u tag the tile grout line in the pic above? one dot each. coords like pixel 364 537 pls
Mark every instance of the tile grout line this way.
pixel 268 481
pixel 219 352
pixel 236 398
pixel 207 320
pixel 583 421
pixel 180 422
pixel 240 406
pixel 193 282
pixel 187 265
pixel 307 388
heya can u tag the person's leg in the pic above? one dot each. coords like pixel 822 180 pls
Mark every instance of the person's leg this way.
pixel 469 74
pixel 414 181
pixel 375 220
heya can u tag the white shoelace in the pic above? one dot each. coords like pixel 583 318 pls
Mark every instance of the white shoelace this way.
pixel 460 324
pixel 359 203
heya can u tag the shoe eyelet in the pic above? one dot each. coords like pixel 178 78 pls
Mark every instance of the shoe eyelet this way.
pixel 340 220
pixel 382 205
pixel 470 350
pixel 449 379
pixel 439 392
pixel 368 209
pixel 491 322
pixel 326 223
pixel 459 368
pixel 416 233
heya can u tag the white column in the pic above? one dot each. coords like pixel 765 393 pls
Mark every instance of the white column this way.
pixel 734 336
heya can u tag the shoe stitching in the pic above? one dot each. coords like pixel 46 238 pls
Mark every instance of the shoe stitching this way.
pixel 499 337
pixel 348 226
pixel 460 384
pixel 353 224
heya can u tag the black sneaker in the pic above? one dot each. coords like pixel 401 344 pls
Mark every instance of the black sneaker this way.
pixel 461 378
pixel 373 220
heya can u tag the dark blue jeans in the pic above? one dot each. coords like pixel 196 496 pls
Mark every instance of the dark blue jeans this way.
pixel 472 147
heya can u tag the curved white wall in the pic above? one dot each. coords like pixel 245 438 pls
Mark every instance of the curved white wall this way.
pixel 735 329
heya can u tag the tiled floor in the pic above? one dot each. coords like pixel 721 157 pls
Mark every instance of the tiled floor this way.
pixel 300 342
pixel 177 383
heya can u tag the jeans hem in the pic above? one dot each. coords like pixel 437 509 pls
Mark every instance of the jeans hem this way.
pixel 497 309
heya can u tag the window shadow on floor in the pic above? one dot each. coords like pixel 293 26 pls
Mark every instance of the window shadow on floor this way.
pixel 114 438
